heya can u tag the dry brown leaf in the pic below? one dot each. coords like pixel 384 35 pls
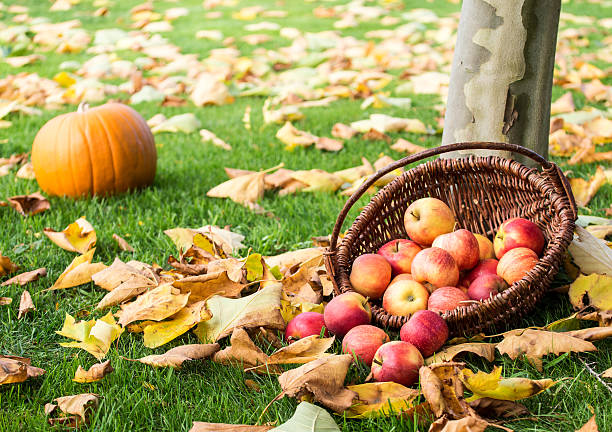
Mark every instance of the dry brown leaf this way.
pixel 607 373
pixel 590 426
pixel 175 357
pixel 585 190
pixel 224 427
pixel 405 146
pixel 302 351
pixel 232 266
pixel 379 399
pixel 323 379
pixel 600 231
pixel 28 205
pixel 17 369
pixel 244 352
pixel 591 333
pixel 329 144
pixel 278 179
pixel 466 424
pixel 25 304
pixel 375 135
pixel 154 305
pixel 287 260
pixel 124 282
pixel 7 266
pixel 79 236
pixel 158 333
pixel 27 277
pixel 78 404
pixel 292 137
pixel 535 344
pixel 123 245
pixel 318 180
pixel 79 272
pixel 486 350
pixel 340 130
pixel 94 373
pixel 590 254
pixel 495 408
pixel 565 104
pixel 244 189
pixel 208 136
pixel 293 283
pixel 208 90
pixel 203 287
pixel 443 389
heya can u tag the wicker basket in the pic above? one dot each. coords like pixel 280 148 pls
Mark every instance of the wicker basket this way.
pixel 482 192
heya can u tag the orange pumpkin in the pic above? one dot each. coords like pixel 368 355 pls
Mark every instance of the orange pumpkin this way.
pixel 99 151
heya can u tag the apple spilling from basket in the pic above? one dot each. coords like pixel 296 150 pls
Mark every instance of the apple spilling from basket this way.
pixel 434 271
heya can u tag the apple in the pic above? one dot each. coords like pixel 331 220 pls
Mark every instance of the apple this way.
pixel 405 297
pixel 305 324
pixel 487 266
pixel 346 311
pixel 486 286
pixel 400 253
pixel 446 298
pixel 435 266
pixel 401 277
pixel 363 341
pixel 427 218
pixel 485 247
pixel 463 247
pixel 426 330
pixel 397 361
pixel 516 263
pixel 518 232
pixel 370 275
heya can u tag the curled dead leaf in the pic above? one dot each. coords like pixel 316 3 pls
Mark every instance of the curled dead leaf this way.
pixel 28 205
pixel 486 350
pixel 94 373
pixel 123 244
pixel 79 236
pixel 80 271
pixel 17 370
pixel 27 277
pixel 25 304
pixel 7 266
pixel 154 305
pixel 175 357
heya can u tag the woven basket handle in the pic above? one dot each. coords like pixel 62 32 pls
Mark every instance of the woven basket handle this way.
pixel 434 152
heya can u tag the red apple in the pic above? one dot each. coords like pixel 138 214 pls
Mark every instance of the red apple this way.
pixel 400 253
pixel 436 266
pixel 400 277
pixel 426 330
pixel 485 247
pixel 486 286
pixel 405 297
pixel 305 324
pixel 516 263
pixel 488 266
pixel 518 232
pixel 370 275
pixel 397 361
pixel 446 298
pixel 463 247
pixel 363 341
pixel 346 311
pixel 427 218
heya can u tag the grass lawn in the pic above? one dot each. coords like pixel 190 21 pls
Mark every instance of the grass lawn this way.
pixel 139 398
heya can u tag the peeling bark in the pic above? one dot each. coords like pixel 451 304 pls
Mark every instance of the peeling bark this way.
pixel 501 77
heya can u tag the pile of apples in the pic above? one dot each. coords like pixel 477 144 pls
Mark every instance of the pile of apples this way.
pixel 434 271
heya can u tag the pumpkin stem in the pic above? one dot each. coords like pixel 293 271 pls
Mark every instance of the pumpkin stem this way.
pixel 83 106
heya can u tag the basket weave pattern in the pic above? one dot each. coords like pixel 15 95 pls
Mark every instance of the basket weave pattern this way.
pixel 482 193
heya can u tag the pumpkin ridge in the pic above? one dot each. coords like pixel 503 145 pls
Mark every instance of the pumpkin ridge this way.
pixel 90 151
pixel 110 147
pixel 138 139
pixel 55 151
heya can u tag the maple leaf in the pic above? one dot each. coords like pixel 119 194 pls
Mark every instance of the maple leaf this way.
pixel 155 305
pixel 380 399
pixel 94 336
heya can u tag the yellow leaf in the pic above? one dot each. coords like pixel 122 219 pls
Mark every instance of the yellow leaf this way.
pixel 350 175
pixel 243 190
pixel 378 399
pixel 202 287
pixel 492 385
pixel 292 137
pixel 486 350
pixel 64 79
pixel 592 290
pixel 585 190
pixel 261 309
pixel 7 266
pixel 254 267
pixel 160 333
pixel 94 336
pixel 79 236
pixel 95 373
pixel 175 357
pixel 318 180
pixel 290 310
pixel 590 254
pixel 80 271
pixel 154 305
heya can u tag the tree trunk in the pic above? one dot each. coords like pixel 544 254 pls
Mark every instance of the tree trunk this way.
pixel 501 77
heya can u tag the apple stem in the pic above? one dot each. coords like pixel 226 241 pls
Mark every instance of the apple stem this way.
pixel 378 362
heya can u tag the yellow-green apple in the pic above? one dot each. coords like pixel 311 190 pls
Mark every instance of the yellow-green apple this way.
pixel 346 311
pixel 518 232
pixel 370 275
pixel 427 218
pixel 400 277
pixel 363 341
pixel 305 324
pixel 485 247
pixel 397 361
pixel 486 286
pixel 446 298
pixel 405 297
pixel 516 263
pixel 400 253
pixel 426 330
pixel 463 247
pixel 487 266
pixel 435 266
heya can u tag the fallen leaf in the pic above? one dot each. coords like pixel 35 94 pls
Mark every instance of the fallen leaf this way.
pixel 202 287
pixel 375 135
pixel 94 336
pixel 301 351
pixel 486 350
pixel 592 290
pixel 20 61
pixel 590 426
pixel 208 90
pixel 351 175
pixel 232 266
pixel 306 272
pixel 79 236
pixel 590 254
pixel 208 136
pixel 323 379
pixel 329 144
pixel 78 404
pixel 175 357
pixel 243 352
pixel 7 266
pixel 244 189
pixel 564 104
pixel 495 408
pixel 308 417
pixel 224 427
pixel 585 190
pixel 380 399
pixel 160 333
pixel 535 344
pixel 465 424
pixel 287 260
pixel 27 277
pixel 17 370
pixel 80 271
pixel 123 281
pixel 94 373
pixel 254 267
pixel 259 309
pixel 291 309
pixel 340 130
pixel 442 388
pixel 25 304
pixel 185 123
pixel 607 373
pixel 26 172
pixel 123 245
pixel 600 231
pixel 28 205
pixel 293 137
pixel 318 180
pixel 154 305
pixel 404 146
pixel 591 333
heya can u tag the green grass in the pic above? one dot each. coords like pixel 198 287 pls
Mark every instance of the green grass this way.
pixel 139 398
